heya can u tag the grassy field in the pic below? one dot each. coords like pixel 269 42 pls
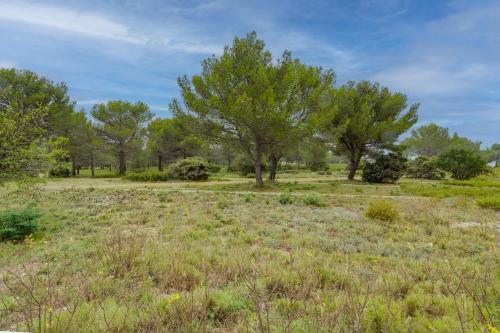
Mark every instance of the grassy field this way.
pixel 222 256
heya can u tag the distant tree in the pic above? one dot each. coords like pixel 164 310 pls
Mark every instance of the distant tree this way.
pixel 173 138
pixel 460 142
pixel 243 97
pixel 462 163
pixel 121 126
pixel 492 154
pixel 28 103
pixel 367 118
pixel 428 140
pixel 314 152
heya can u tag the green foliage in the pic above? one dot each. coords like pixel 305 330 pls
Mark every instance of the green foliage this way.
pixel 313 199
pixel 385 169
pixel 121 126
pixel 286 198
pixel 193 168
pixel 224 304
pixel 147 176
pixel 367 118
pixel 246 99
pixel 463 164
pixel 428 140
pixel 492 202
pixel 29 106
pixel 383 210
pixel 59 170
pixel 17 225
pixel 424 168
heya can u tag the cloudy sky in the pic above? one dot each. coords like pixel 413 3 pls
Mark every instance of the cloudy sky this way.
pixel 443 54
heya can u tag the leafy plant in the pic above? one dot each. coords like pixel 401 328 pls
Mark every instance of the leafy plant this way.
pixel 382 210
pixel 17 225
pixel 193 168
pixel 286 198
pixel 313 199
pixel 462 163
pixel 385 169
pixel 424 168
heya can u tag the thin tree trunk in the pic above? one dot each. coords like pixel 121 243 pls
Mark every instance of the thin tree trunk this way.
pixel 228 164
pixel 73 166
pixel 354 166
pixel 160 165
pixel 257 163
pixel 121 159
pixel 78 167
pixel 92 164
pixel 273 159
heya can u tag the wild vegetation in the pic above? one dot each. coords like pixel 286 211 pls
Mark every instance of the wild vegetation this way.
pixel 123 222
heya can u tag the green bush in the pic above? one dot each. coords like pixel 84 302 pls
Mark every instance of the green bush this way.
pixel 385 169
pixel 286 198
pixel 224 304
pixel 59 170
pixel 382 210
pixel 17 225
pixel 214 168
pixel 462 163
pixel 193 168
pixel 250 175
pixel 424 168
pixel 313 199
pixel 147 176
pixel 492 202
pixel 320 165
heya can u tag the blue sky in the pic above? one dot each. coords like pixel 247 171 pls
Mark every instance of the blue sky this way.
pixel 443 54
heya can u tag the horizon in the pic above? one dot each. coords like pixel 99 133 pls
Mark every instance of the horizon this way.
pixel 442 55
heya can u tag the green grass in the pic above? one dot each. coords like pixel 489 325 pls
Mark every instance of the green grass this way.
pixel 118 256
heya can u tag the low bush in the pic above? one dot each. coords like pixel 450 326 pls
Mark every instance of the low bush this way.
pixel 286 198
pixel 250 175
pixel 492 202
pixel 147 176
pixel 59 170
pixel 385 169
pixel 424 168
pixel 313 199
pixel 214 168
pixel 193 168
pixel 382 210
pixel 463 164
pixel 17 225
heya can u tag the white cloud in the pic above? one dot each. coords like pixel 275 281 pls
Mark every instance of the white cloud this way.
pixel 96 25
pixel 429 79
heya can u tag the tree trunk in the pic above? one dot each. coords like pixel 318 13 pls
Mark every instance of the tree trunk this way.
pixel 273 159
pixel 228 164
pixel 78 167
pixel 110 167
pixel 121 160
pixel 257 163
pixel 92 164
pixel 354 166
pixel 73 166
pixel 160 165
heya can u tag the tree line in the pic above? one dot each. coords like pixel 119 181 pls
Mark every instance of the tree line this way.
pixel 244 104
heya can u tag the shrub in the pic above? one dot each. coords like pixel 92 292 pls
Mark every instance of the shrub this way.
pixel 317 165
pixel 462 163
pixel 385 169
pixel 214 168
pixel 224 304
pixel 193 168
pixel 59 170
pixel 424 168
pixel 17 225
pixel 286 198
pixel 147 176
pixel 250 175
pixel 313 199
pixel 382 210
pixel 244 166
pixel 489 202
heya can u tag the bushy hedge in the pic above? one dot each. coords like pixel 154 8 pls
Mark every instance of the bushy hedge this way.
pixel 17 225
pixel 424 168
pixel 147 176
pixel 462 163
pixel 193 168
pixel 385 169
pixel 59 170
pixel 382 210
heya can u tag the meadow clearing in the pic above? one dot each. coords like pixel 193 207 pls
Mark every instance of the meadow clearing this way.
pixel 301 255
